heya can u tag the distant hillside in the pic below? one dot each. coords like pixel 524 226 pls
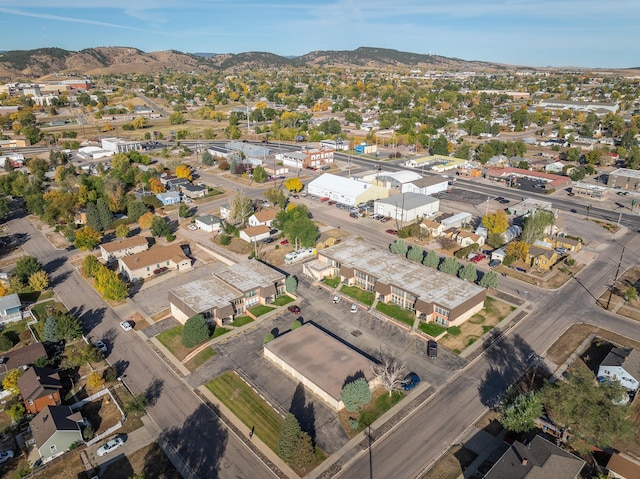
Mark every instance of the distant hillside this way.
pixel 25 64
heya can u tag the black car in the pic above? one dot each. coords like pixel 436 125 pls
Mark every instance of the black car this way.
pixel 432 349
pixel 268 240
pixel 273 231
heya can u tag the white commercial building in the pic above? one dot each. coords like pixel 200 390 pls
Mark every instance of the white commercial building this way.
pixel 345 190
pixel 407 206
pixel 118 145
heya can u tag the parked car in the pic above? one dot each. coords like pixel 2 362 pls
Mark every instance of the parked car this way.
pixel 354 214
pixel 336 299
pixel 354 308
pixel 126 325
pixel 477 258
pixel 284 242
pixel 561 250
pixel 573 210
pixel 332 202
pixel 192 227
pixel 324 199
pixel 623 193
pixel 110 446
pixel 494 262
pixel 5 456
pixel 268 240
pixel 101 346
pixel 392 232
pixel 294 309
pixel 410 381
pixel 432 349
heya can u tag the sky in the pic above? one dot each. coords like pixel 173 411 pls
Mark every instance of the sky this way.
pixel 581 33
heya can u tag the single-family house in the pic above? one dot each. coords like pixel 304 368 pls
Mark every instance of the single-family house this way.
pixel 176 183
pixel 153 261
pixel 539 458
pixel 623 365
pixel 55 429
pixel 465 238
pixel 572 244
pixel 499 254
pixel 140 193
pixel 193 191
pixel 621 466
pixel 10 308
pixel 208 223
pixel 253 234
pixel 263 217
pixel 123 247
pixel 22 357
pixel 169 198
pixel 432 228
pixel 541 258
pixel 39 387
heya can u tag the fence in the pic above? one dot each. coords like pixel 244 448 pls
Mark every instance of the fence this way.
pixel 112 429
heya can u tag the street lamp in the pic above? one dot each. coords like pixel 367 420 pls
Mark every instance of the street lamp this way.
pixel 588 211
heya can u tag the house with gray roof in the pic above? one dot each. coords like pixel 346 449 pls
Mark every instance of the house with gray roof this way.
pixel 536 460
pixel 21 357
pixel 208 223
pixel 55 429
pixel 623 365
pixel 10 308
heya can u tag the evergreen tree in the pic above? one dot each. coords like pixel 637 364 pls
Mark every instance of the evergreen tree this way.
pixel 450 266
pixel 159 227
pixel 288 440
pixel 304 451
pixel 135 210
pixel 104 213
pixel 68 326
pixel 356 394
pixel 468 272
pixel 50 329
pixel 415 254
pixel 399 247
pixel 25 267
pixel 291 284
pixel 93 217
pixel 195 331
pixel 489 280
pixel 431 259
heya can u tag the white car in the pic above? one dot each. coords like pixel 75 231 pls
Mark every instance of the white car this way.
pixel 354 308
pixel 126 325
pixel 336 299
pixel 5 456
pixel 101 346
pixel 110 446
pixel 192 227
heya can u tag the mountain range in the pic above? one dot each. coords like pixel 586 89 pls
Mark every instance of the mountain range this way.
pixel 31 64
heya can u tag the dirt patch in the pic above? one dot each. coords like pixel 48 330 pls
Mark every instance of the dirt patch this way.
pixel 56 239
pixel 489 423
pixel 237 245
pixel 101 414
pixel 479 324
pixel 614 300
pixel 336 233
pixel 165 313
pixel 149 461
pixel 68 467
pixel 452 465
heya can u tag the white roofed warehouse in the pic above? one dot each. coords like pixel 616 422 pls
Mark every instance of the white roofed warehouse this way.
pixel 345 190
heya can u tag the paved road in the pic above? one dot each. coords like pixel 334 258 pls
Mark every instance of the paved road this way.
pixel 208 448
pixel 438 423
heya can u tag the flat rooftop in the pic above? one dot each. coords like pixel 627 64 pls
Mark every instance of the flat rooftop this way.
pixel 428 284
pixel 320 358
pixel 250 275
pixel 205 294
pixel 626 172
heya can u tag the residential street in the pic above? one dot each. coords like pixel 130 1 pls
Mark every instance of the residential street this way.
pixel 207 447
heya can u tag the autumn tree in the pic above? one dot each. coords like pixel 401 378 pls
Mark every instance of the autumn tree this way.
pixel 39 281
pixel 156 185
pixel 389 370
pixel 95 380
pixel 517 249
pixel 183 171
pixel 293 184
pixel 10 381
pixel 241 209
pixel 109 285
pixel 146 220
pixel 90 266
pixel 496 222
pixel 122 231
pixel 87 238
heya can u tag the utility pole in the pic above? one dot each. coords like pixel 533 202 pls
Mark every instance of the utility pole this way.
pixel 615 279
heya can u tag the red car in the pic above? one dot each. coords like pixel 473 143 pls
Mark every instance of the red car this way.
pixel 478 258
pixel 332 202
pixel 324 199
pixel 392 232
pixel 294 309
pixel 284 242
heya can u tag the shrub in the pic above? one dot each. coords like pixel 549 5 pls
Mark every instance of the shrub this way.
pixel 225 240
pixel 195 331
pixel 354 424
pixel 16 411
pixel 356 394
pixel 88 433
pixel 5 343
pixel 110 374
pixel 137 404
pixel 268 338
pixel 295 325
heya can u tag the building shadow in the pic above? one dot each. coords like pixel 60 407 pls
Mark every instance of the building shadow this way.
pixel 200 442
pixel 304 412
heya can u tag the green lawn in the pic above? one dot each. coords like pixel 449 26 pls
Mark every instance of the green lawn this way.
pixel 260 310
pixel 241 321
pixel 247 406
pixel 42 310
pixel 358 294
pixel 378 407
pixel 282 300
pixel 333 282
pixel 199 359
pixel 398 313
pixel 432 329
pixel 219 331
pixel 172 340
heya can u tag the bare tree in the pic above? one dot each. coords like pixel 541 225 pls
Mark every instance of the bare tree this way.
pixel 390 370
pixel 241 209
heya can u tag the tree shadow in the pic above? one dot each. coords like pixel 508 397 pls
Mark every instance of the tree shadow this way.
pixel 153 391
pixel 304 412
pixel 58 279
pixel 90 318
pixel 509 357
pixel 200 441
pixel 121 366
pixel 54 264
pixel 352 377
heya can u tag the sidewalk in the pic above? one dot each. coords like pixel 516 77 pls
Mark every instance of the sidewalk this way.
pixel 255 441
